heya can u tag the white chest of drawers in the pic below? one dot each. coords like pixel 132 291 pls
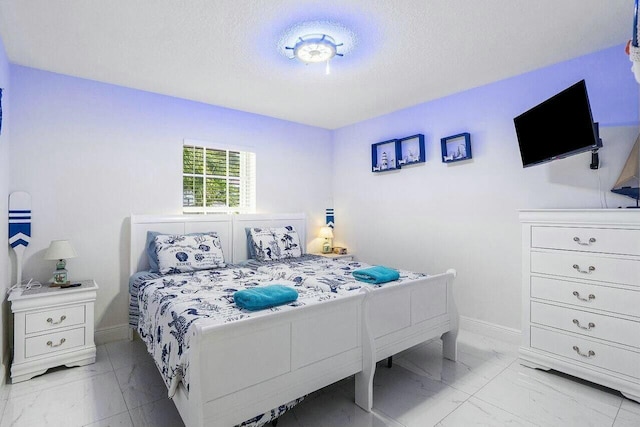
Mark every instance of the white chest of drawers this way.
pixel 581 295
pixel 52 327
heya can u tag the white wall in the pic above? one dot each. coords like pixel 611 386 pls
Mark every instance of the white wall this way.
pixel 90 154
pixel 4 202
pixel 434 216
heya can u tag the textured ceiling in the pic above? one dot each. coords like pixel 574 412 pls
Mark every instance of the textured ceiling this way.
pixel 230 53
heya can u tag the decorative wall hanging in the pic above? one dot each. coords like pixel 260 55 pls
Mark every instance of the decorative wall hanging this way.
pixel 330 218
pixel 411 150
pixel 456 147
pixel 393 154
pixel 384 156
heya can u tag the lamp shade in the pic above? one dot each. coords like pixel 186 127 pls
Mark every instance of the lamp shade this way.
pixel 326 232
pixel 60 249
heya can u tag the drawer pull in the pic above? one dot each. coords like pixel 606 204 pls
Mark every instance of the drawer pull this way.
pixel 588 355
pixel 591 268
pixel 50 320
pixel 51 344
pixel 577 295
pixel 588 328
pixel 577 240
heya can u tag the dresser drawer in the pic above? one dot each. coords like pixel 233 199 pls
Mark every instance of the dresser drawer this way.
pixel 52 319
pixel 587 267
pixel 594 353
pixel 585 295
pixel 587 323
pixel 602 240
pixel 58 341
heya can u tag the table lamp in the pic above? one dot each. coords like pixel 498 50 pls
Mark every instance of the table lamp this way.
pixel 60 250
pixel 326 233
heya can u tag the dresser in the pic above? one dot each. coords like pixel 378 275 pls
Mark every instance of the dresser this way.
pixel 581 295
pixel 52 327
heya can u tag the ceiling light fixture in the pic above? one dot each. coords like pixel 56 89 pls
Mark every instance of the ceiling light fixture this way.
pixel 314 48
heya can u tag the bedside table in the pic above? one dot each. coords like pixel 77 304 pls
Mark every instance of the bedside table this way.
pixel 52 327
pixel 345 257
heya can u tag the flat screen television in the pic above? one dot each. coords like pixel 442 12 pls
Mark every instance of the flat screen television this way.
pixel 559 127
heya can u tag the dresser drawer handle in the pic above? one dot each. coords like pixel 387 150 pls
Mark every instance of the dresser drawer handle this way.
pixel 591 268
pixel 51 344
pixel 577 240
pixel 588 355
pixel 588 328
pixel 62 318
pixel 577 295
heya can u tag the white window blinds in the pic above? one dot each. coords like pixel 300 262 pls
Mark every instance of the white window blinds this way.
pixel 218 180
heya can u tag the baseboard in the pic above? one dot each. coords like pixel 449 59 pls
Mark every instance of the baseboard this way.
pixel 510 335
pixel 111 334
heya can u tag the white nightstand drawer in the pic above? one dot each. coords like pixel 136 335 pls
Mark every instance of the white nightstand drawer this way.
pixel 58 341
pixel 587 267
pixel 587 351
pixel 586 323
pixel 52 319
pixel 602 240
pixel 586 295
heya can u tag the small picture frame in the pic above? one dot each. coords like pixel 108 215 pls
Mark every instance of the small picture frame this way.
pixel 456 147
pixel 384 156
pixel 411 150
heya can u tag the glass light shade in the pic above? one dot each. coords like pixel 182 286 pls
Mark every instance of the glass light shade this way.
pixel 315 48
pixel 60 249
pixel 326 233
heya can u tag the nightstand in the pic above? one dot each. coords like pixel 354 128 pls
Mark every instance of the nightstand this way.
pixel 344 257
pixel 52 327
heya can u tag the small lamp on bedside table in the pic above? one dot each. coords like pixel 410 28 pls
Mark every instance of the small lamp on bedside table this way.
pixel 60 250
pixel 326 233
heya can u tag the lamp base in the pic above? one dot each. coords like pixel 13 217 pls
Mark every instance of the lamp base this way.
pixel 57 285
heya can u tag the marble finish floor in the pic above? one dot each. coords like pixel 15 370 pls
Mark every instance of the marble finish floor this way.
pixel 486 387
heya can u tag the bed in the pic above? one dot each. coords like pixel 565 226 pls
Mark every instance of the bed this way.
pixel 242 366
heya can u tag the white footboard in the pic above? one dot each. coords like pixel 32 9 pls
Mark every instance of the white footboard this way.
pixel 252 366
pixel 398 317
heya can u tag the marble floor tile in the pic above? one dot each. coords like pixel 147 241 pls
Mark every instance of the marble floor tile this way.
pixel 161 413
pixel 72 404
pixel 126 353
pixel 333 409
pixel 477 413
pixel 627 419
pixel 141 383
pixel 547 398
pixel 120 420
pixel 413 400
pixel 58 376
pixel 630 405
pixel 480 359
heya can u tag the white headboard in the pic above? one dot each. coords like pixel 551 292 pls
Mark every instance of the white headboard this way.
pixel 230 228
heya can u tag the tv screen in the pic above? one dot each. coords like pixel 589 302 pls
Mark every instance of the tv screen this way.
pixel 558 127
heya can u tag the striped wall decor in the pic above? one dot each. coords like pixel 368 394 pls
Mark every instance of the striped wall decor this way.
pixel 330 217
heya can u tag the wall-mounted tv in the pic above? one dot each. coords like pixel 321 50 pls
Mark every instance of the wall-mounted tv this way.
pixel 559 127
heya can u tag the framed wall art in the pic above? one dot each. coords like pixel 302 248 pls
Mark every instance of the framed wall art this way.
pixel 456 147
pixel 384 156
pixel 411 150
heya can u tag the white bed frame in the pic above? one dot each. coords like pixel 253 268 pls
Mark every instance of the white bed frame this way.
pixel 240 369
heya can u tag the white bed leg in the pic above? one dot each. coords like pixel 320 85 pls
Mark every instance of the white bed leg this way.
pixel 450 338
pixel 364 378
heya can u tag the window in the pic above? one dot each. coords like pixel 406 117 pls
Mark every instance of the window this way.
pixel 217 180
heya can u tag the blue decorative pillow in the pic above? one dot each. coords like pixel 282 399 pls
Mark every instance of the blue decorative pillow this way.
pixel 268 244
pixel 151 251
pixel 188 252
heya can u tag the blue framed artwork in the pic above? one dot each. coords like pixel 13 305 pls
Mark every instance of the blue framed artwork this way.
pixel 411 150
pixel 456 147
pixel 385 155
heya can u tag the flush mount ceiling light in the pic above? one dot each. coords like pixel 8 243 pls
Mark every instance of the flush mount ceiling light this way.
pixel 314 48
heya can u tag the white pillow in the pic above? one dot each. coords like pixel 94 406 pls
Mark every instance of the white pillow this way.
pixel 182 253
pixel 270 244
